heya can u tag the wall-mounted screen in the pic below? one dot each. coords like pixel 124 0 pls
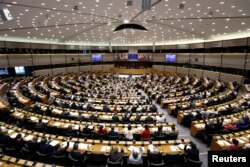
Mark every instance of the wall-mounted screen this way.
pixel 20 70
pixel 96 57
pixel 4 71
pixel 170 58
pixel 133 56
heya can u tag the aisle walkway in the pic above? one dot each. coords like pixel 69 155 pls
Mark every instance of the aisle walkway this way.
pixel 184 133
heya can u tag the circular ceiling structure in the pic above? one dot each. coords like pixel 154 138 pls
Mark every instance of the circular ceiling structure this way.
pixel 92 22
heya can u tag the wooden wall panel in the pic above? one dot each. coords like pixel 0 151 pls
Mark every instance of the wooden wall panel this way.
pixel 73 69
pixel 3 60
pixel 85 57
pixel 196 72
pixel 85 68
pixel 43 72
pixel 158 57
pixel 108 57
pixel 182 57
pixel 213 59
pixel 182 70
pixel 72 58
pixel 20 60
pixel 170 68
pixel 197 58
pixel 41 59
pixel 230 78
pixel 59 71
pixel 233 60
pixel 211 74
pixel 108 67
pixel 58 58
pixel 96 67
pixel 159 67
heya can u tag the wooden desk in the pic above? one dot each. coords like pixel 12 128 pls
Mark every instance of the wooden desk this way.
pixel 167 147
pixel 4 104
pixel 132 71
pixel 220 143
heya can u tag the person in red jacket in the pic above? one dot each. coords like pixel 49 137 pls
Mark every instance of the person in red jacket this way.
pixel 234 145
pixel 145 135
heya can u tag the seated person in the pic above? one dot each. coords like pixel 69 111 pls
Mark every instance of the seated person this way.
pixel 112 132
pixel 145 135
pixel 59 150
pixel 247 147
pixel 159 132
pixel 102 130
pixel 31 145
pixel 191 152
pixel 40 124
pixel 137 118
pixel 115 110
pixel 125 117
pixel 44 147
pixel 218 124
pixel 161 118
pixel 93 117
pixel 86 130
pixel 115 155
pixel 105 108
pixel 128 132
pixel 234 145
pixel 149 119
pixel 75 154
pixel 69 131
pixel 154 156
pixel 115 118
pixel 80 117
pixel 136 157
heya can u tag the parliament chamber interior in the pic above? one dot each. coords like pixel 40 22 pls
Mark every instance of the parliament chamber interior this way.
pixel 120 83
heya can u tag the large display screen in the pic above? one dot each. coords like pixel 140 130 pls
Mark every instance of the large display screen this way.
pixel 96 57
pixel 4 71
pixel 20 70
pixel 133 57
pixel 170 58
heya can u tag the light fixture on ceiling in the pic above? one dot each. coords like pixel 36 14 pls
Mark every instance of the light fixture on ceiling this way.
pixel 75 8
pixel 130 26
pixel 145 5
pixel 181 6
pixel 5 14
pixel 130 3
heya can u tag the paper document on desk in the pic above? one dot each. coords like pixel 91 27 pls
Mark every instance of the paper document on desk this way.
pixel 29 137
pixel 223 142
pixel 54 143
pixel 182 146
pixel 105 148
pixel 83 146
pixel 151 147
pixel 173 148
pixel 135 149
pixel 57 124
pixel 166 129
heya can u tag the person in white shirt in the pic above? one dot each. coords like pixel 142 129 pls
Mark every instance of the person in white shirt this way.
pixel 160 118
pixel 136 157
pixel 129 133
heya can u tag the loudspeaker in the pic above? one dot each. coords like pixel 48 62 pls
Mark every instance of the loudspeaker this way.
pixel 110 47
pixel 154 46
pixel 5 14
pixel 146 5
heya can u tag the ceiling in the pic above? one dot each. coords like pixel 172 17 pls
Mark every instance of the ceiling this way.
pixel 56 21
